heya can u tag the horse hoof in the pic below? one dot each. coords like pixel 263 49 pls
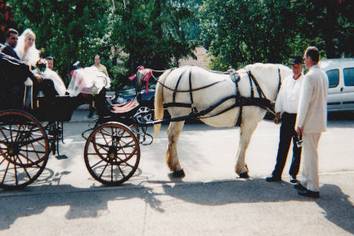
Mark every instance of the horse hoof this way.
pixel 177 174
pixel 244 175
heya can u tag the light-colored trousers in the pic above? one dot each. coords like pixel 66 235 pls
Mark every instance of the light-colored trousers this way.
pixel 310 179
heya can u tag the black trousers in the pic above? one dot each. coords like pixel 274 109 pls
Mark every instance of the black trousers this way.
pixel 287 133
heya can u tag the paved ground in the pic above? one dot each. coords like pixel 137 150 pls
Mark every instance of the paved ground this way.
pixel 209 201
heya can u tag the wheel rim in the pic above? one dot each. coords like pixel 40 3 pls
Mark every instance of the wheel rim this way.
pixel 112 153
pixel 24 149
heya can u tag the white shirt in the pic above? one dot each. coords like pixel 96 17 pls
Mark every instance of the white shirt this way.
pixel 289 94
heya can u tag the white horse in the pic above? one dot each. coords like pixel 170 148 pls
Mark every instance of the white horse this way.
pixel 267 76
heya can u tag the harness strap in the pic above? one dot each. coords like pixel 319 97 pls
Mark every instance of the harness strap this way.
pixel 251 85
pixel 188 90
pixel 240 100
pixel 279 77
pixel 177 104
pixel 279 83
pixel 194 109
pixel 259 90
pixel 238 97
pixel 175 90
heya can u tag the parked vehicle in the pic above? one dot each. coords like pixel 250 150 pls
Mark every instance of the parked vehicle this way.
pixel 340 74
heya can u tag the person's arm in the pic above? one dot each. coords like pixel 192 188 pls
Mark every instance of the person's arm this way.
pixel 304 102
pixel 105 71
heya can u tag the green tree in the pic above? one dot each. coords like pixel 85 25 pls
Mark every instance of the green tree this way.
pixel 155 33
pixel 70 30
pixel 329 24
pixel 239 32
pixel 6 20
pixel 246 31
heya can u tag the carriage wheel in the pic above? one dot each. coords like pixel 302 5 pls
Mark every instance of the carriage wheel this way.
pixel 112 153
pixel 24 149
pixel 133 127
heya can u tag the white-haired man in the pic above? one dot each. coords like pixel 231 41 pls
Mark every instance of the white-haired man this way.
pixel 311 121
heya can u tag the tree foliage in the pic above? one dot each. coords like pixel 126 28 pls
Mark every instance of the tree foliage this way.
pixel 157 33
pixel 69 30
pixel 239 32
pixel 125 33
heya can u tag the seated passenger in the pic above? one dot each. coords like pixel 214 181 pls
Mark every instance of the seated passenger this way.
pixel 50 75
pixel 13 74
pixel 88 80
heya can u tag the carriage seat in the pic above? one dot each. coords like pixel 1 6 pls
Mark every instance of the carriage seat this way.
pixel 125 107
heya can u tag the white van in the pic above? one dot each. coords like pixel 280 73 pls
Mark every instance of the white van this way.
pixel 340 74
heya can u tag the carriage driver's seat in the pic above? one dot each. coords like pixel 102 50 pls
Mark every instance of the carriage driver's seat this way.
pixel 125 107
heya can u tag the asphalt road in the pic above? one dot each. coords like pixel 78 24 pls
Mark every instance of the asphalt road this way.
pixel 210 200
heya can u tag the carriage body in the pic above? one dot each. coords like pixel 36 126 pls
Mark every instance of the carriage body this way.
pixel 29 136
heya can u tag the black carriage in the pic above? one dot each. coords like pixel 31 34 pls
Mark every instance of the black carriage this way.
pixel 29 136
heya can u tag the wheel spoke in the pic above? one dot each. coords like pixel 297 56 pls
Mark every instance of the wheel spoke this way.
pixel 33 141
pixel 5 136
pixel 128 144
pixel 111 173
pixel 121 171
pixel 103 169
pixel 3 178
pixel 35 152
pixel 102 146
pixel 10 126
pixel 103 136
pixel 18 133
pixel 29 176
pixel 125 162
pixel 29 160
pixel 15 169
pixel 103 131
pixel 2 161
pixel 122 150
pixel 128 153
pixel 96 163
pixel 32 151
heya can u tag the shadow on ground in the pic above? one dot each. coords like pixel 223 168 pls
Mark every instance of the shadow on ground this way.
pixel 89 202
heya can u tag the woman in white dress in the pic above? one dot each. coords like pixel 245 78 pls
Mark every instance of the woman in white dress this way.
pixel 26 48
pixel 28 53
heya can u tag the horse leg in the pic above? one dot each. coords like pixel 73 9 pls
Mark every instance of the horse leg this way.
pixel 246 131
pixel 174 130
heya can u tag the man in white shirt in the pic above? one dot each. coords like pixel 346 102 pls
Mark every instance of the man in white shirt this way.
pixel 311 121
pixel 286 107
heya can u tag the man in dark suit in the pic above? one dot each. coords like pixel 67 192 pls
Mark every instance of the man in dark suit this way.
pixel 286 108
pixel 11 42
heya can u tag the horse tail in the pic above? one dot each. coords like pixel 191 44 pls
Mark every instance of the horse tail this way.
pixel 158 102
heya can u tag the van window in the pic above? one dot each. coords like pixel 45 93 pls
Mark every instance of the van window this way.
pixel 333 78
pixel 348 76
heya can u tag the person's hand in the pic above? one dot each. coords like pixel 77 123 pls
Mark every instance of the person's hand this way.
pixel 299 131
pixel 277 118
pixel 38 77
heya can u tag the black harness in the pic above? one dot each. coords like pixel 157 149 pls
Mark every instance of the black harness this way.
pixel 240 101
